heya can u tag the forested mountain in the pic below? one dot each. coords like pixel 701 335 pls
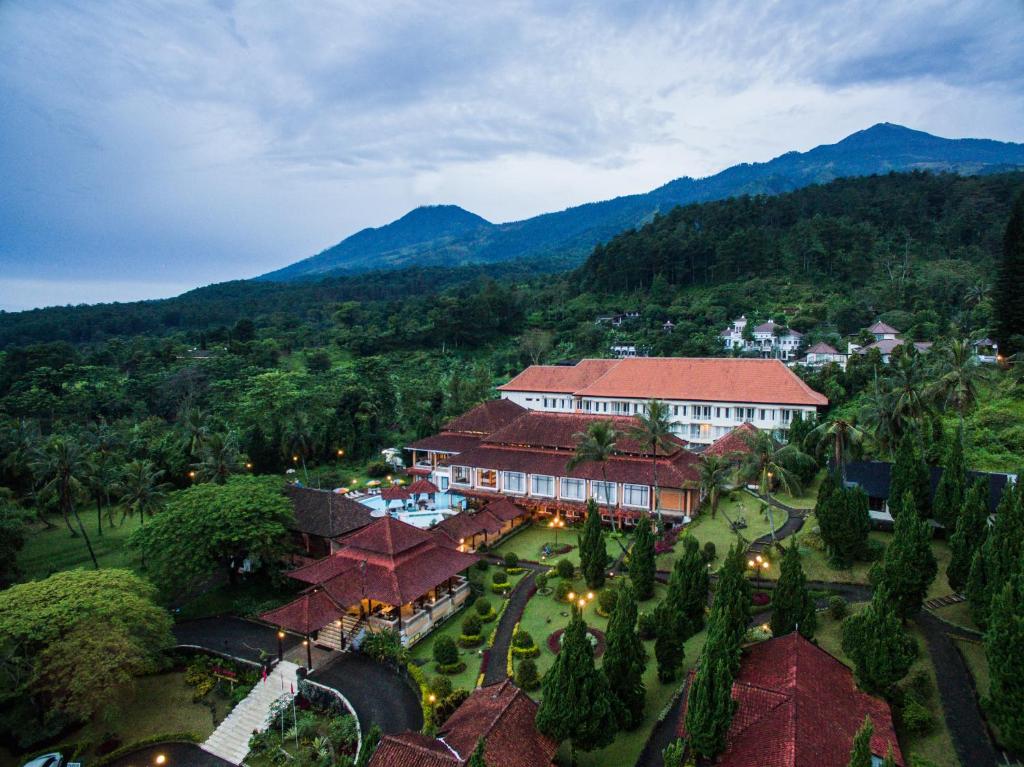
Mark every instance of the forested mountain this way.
pixel 450 235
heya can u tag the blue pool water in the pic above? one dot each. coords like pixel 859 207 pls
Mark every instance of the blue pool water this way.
pixel 445 504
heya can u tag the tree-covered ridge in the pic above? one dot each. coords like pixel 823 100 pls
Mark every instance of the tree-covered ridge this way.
pixel 854 232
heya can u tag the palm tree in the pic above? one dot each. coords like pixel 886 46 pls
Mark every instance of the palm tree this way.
pixel 768 463
pixel 880 416
pixel 142 492
pixel 18 447
pixel 60 464
pixel 219 458
pixel 193 422
pixel 714 478
pixel 959 375
pixel 838 434
pixel 654 430
pixel 299 440
pixel 977 293
pixel 908 387
pixel 596 445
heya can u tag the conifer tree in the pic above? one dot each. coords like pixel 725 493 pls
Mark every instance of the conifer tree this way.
pixel 642 564
pixel 695 584
pixel 792 606
pixel 593 555
pixel 970 532
pixel 949 495
pixel 576 704
pixel 1008 309
pixel 853 524
pixel 1004 641
pixel 731 608
pixel 672 626
pixel 997 557
pixel 477 759
pixel 625 660
pixel 881 649
pixel 860 754
pixel 710 706
pixel 909 566
pixel 910 475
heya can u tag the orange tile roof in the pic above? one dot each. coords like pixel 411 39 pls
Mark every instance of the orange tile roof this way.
pixel 559 378
pixel 484 418
pixel 735 441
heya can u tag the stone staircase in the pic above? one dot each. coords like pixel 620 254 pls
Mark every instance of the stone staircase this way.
pixel 230 740
pixel 352 626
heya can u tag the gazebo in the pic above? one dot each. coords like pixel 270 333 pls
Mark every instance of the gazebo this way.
pixel 390 494
pixel 423 492
pixel 389 575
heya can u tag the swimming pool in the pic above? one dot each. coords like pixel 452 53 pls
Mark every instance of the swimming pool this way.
pixel 445 505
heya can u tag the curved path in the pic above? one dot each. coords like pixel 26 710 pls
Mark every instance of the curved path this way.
pixel 379 694
pixel 174 754
pixel 497 657
pixel 794 521
pixel 232 637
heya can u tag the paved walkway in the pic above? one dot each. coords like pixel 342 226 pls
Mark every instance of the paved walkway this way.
pixel 234 637
pixel 794 521
pixel 378 693
pixel 230 741
pixel 497 659
pixel 174 754
pixel 664 732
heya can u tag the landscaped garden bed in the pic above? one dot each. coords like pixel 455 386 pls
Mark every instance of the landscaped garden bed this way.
pixel 305 732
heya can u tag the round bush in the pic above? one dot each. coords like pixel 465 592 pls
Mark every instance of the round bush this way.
pixel 541 580
pixel 440 686
pixel 760 598
pixel 523 639
pixel 709 551
pixel 916 718
pixel 606 600
pixel 565 569
pixel 837 607
pixel 562 590
pixel 647 626
pixel 483 607
pixel 526 675
pixel 445 652
pixel 482 565
pixel 511 559
pixel 471 624
pixel 499 578
pixel 453 668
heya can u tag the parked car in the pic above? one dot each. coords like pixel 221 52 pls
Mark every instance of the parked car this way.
pixel 47 760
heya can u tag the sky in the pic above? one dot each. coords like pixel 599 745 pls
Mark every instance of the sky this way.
pixel 149 148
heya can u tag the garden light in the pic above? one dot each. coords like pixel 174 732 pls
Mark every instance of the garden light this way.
pixel 160 759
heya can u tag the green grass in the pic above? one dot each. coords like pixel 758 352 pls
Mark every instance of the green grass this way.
pixel 423 651
pixel 52 550
pixel 705 528
pixel 974 656
pixel 807 499
pixel 936 745
pixel 527 544
pixel 958 614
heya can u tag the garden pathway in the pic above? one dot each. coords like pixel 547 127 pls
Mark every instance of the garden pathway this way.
pixel 379 694
pixel 232 637
pixel 230 741
pixel 794 521
pixel 497 658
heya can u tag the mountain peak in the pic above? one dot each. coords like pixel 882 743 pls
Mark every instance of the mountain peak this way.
pixel 441 215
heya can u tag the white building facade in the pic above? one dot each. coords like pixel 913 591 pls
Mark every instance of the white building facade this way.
pixel 768 340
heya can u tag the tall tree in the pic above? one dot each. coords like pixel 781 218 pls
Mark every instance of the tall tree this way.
pixel 909 566
pixel 695 583
pixel 710 706
pixel 949 495
pixel 860 754
pixel 838 437
pixel 1008 308
pixel 731 607
pixel 60 465
pixel 969 534
pixel 576 703
pixel 1003 642
pixel 767 464
pixel 142 492
pixel 881 649
pixel 593 554
pixel 642 563
pixel 792 605
pixel 219 458
pixel 997 557
pixel 654 431
pixel 596 445
pixel 910 475
pixel 959 375
pixel 673 626
pixel 625 660
pixel 714 473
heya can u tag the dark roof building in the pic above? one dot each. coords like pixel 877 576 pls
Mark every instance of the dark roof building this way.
pixel 797 706
pixel 485 418
pixel 323 517
pixel 873 478
pixel 501 714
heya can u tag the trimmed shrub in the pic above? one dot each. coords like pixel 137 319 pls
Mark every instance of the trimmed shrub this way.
pixel 606 600
pixel 760 598
pixel 499 578
pixel 541 580
pixel 471 624
pixel 709 551
pixel 440 686
pixel 523 639
pixel 647 626
pixel 562 590
pixel 565 569
pixel 483 608
pixel 482 565
pixel 445 652
pixel 526 675
pixel 916 718
pixel 511 559
pixel 837 607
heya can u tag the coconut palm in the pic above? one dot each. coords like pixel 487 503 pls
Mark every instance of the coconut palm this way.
pixel 18 443
pixel 959 376
pixel 219 458
pixel 880 416
pixel 836 434
pixel 141 490
pixel 907 385
pixel 596 445
pixel 977 293
pixel 298 439
pixel 60 465
pixel 767 463
pixel 193 422
pixel 654 430
pixel 714 473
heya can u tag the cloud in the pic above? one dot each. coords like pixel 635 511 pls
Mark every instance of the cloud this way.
pixel 156 142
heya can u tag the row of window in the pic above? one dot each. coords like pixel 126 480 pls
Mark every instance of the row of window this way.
pixel 544 486
pixel 695 411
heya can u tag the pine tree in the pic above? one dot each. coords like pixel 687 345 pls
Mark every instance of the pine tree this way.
pixel 909 566
pixel 853 523
pixel 881 649
pixel 710 706
pixel 1003 643
pixel 731 608
pixel 593 555
pixel 625 660
pixel 998 555
pixel 860 754
pixel 949 495
pixel 477 758
pixel 971 522
pixel 576 704
pixel 910 474
pixel 642 564
pixel 695 583
pixel 672 626
pixel 792 606
pixel 1008 309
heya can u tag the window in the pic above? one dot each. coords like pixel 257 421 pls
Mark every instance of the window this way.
pixel 684 409
pixel 603 492
pixel 750 414
pixel 725 412
pixel 442 484
pixel 718 412
pixel 513 481
pixel 638 496
pixel 462 475
pixel 542 485
pixel 675 410
pixel 545 402
pixel 487 478
pixel 764 414
pixel 571 489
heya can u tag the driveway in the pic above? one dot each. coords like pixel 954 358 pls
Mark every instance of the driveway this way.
pixel 236 637
pixel 175 754
pixel 378 693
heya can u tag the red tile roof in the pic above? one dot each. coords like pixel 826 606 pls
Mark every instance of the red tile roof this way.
pixel 325 513
pixel 797 706
pixel 421 486
pixel 560 430
pixel 822 348
pixel 412 749
pixel 310 612
pixel 881 327
pixel 394 494
pixel 559 378
pixel 466 525
pixel 736 441
pixel 505 510
pixel 486 417
pixel 445 443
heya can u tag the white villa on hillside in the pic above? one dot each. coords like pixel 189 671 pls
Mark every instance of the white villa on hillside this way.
pixel 887 339
pixel 769 340
pixel 820 355
pixel 707 397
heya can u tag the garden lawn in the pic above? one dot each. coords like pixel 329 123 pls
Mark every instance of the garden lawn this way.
pixel 958 614
pixel 705 528
pixel 936 745
pixel 805 501
pixel 53 550
pixel 528 542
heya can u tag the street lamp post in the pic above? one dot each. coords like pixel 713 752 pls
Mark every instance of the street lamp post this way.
pixel 309 653
pixel 555 525
pixel 768 495
pixel 280 646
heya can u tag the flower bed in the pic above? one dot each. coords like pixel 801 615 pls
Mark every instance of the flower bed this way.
pixel 596 635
